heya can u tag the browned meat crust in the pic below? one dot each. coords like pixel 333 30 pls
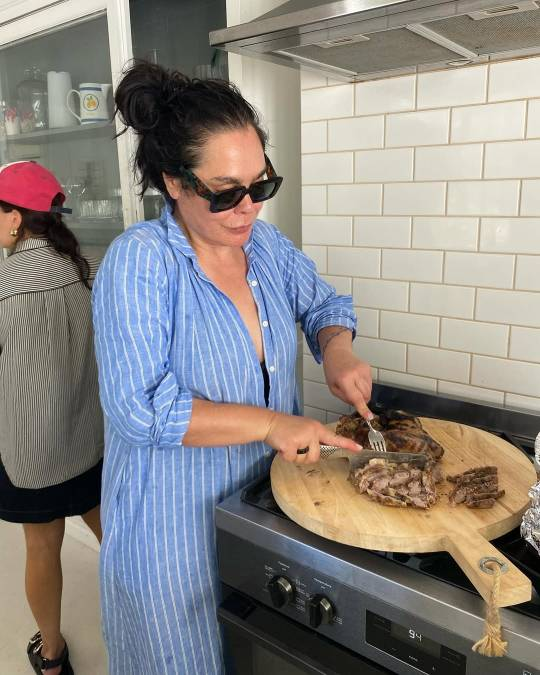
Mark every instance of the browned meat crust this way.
pixel 477 488
pixel 402 433
pixel 394 484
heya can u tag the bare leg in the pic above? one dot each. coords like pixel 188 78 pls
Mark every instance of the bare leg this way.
pixel 44 583
pixel 91 518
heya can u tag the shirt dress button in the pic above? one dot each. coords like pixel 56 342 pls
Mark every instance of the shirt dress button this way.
pixel 265 324
pixel 254 282
pixel 271 369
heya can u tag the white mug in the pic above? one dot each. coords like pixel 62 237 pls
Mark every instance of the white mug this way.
pixel 93 102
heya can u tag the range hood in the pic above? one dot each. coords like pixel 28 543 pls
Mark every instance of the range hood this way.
pixel 355 40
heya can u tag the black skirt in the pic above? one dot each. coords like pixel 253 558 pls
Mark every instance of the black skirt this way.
pixel 71 498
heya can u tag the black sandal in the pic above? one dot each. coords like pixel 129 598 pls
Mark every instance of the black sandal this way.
pixel 40 663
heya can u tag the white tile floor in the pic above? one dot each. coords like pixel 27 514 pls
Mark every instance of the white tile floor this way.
pixel 80 607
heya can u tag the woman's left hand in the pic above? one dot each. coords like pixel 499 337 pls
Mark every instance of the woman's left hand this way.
pixel 348 378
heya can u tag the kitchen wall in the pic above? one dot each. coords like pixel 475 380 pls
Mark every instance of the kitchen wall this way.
pixel 421 197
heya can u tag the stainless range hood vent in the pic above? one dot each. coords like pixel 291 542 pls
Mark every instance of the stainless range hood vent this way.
pixel 357 40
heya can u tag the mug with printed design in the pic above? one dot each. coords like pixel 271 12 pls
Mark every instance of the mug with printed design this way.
pixel 93 99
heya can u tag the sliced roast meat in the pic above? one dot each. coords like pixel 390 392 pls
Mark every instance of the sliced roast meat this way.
pixel 395 484
pixel 477 488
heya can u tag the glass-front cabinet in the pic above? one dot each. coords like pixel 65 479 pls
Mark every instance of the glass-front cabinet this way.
pixel 58 63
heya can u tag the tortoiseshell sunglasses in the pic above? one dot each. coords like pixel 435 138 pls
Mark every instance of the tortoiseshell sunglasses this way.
pixel 224 200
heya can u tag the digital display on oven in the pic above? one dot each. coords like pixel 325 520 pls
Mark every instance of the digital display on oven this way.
pixel 406 643
pixel 412 637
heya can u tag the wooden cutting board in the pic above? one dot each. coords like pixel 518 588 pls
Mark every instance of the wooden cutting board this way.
pixel 320 498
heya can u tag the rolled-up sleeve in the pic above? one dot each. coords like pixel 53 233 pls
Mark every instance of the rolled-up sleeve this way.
pixel 315 303
pixel 141 397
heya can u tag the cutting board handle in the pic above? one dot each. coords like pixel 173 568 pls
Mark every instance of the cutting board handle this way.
pixel 468 548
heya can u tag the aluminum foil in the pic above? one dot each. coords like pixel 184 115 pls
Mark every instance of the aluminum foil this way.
pixel 530 525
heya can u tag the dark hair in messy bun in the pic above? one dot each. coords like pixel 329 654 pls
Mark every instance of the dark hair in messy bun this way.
pixel 50 226
pixel 174 115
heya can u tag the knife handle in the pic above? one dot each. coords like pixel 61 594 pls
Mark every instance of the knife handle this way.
pixel 328 452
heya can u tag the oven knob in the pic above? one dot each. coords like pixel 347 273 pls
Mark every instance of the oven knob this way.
pixel 321 610
pixel 281 591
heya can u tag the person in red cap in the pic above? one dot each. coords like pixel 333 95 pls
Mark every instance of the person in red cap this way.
pixel 51 443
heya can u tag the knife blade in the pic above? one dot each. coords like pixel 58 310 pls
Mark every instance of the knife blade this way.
pixel 358 460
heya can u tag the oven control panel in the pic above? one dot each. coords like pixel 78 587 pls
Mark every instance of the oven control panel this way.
pixel 371 624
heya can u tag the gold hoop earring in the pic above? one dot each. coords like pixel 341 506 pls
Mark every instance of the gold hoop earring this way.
pixel 14 233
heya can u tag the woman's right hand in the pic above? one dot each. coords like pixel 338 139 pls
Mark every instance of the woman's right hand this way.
pixel 289 433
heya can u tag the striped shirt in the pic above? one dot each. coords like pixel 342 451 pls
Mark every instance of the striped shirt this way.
pixel 50 417
pixel 165 334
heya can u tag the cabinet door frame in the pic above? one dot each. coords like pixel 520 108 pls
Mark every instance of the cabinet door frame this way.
pixel 44 16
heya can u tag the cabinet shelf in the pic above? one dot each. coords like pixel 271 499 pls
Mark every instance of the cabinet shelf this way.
pixel 94 130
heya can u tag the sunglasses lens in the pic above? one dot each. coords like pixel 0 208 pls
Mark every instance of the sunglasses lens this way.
pixel 223 201
pixel 265 189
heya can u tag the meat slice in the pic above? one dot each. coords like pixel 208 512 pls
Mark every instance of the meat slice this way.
pixel 395 484
pixel 477 488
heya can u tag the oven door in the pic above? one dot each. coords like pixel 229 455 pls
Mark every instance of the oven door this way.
pixel 260 641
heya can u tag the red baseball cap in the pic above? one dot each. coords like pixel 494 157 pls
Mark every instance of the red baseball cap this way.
pixel 31 186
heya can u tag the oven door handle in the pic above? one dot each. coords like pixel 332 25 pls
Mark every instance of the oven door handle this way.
pixel 314 654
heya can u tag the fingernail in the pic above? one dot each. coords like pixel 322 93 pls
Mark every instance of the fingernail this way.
pixel 360 447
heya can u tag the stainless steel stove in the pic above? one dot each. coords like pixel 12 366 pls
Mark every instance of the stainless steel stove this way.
pixel 294 602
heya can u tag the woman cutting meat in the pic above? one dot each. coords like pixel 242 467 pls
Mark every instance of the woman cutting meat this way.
pixel 195 317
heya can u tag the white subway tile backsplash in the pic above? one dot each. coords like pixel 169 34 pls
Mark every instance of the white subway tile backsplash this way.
pixel 327 103
pixel 525 344
pixel 414 199
pixel 479 269
pixel 441 300
pixel 444 233
pixel 354 262
pixel 412 265
pixel 327 230
pixel 315 413
pixel 318 254
pixel 483 198
pixel 310 79
pixel 384 231
pixel 343 285
pixel 382 96
pixel 383 165
pixel 438 363
pixel 407 381
pixel 473 336
pixel 514 79
pixel 381 353
pixel 510 235
pixel 494 122
pixel 322 168
pixel 461 86
pixel 314 136
pixel 512 159
pixel 417 128
pixel 415 328
pixel 381 294
pixel 356 133
pixel 421 195
pixel 533 119
pixel 312 370
pixel 317 395
pixel 530 198
pixel 516 377
pixel 368 321
pixel 465 391
pixel 313 200
pixel 528 273
pixel 524 403
pixel 450 162
pixel 512 307
pixel 353 199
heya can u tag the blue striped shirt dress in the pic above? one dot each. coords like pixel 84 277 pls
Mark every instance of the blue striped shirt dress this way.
pixel 165 334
